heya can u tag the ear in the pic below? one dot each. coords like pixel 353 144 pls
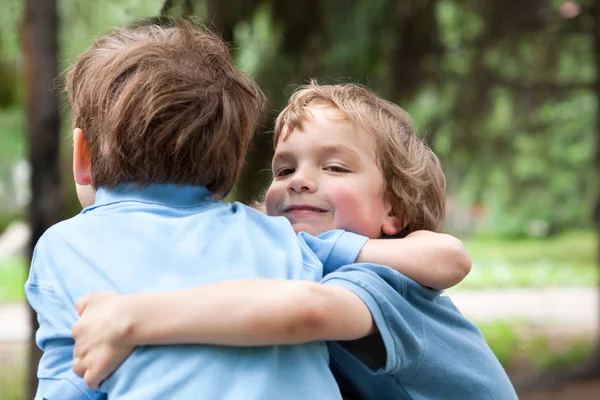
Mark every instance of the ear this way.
pixel 391 225
pixel 82 171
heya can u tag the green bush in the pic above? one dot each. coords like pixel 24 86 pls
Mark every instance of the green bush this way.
pixel 13 273
pixel 503 340
pixel 12 382
pixel 568 259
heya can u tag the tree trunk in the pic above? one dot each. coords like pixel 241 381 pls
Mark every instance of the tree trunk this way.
pixel 40 41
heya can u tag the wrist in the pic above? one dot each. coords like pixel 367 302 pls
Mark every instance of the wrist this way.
pixel 126 320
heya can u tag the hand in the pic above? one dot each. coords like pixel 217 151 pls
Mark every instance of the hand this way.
pixel 99 336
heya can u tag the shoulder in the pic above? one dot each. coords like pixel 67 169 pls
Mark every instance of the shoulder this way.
pixel 260 217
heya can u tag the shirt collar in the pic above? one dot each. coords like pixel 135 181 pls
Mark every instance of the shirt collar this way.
pixel 168 194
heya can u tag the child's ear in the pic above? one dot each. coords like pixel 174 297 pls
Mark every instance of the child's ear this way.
pixel 391 225
pixel 82 171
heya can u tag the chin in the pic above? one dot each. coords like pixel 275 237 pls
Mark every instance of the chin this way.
pixel 311 230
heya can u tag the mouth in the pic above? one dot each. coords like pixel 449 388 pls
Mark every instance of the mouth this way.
pixel 303 209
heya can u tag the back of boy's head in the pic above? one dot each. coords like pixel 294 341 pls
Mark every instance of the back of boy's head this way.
pixel 163 105
pixel 415 184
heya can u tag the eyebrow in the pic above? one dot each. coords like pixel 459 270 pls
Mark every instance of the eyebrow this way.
pixel 327 149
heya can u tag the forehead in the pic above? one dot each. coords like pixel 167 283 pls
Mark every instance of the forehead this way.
pixel 325 123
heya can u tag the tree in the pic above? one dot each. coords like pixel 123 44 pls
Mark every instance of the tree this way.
pixel 40 41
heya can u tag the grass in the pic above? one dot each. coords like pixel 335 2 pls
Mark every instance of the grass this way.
pixel 542 353
pixel 13 273
pixel 12 381
pixel 565 260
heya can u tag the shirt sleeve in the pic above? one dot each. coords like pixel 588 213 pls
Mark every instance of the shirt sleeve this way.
pixel 399 323
pixel 55 316
pixel 334 248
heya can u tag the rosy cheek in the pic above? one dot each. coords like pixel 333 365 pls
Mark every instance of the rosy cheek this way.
pixel 272 198
pixel 356 209
pixel 348 204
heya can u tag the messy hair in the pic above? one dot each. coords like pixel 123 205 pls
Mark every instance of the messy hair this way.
pixel 163 105
pixel 415 184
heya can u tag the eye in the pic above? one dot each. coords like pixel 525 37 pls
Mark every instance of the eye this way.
pixel 284 172
pixel 337 168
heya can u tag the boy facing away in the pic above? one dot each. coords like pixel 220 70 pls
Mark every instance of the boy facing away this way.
pixel 342 155
pixel 162 121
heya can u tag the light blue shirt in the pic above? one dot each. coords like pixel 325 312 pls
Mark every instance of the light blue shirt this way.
pixel 163 238
pixel 425 348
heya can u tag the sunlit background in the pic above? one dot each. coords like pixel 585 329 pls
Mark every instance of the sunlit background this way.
pixel 504 91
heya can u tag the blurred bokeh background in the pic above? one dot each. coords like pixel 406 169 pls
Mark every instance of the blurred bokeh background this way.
pixel 505 91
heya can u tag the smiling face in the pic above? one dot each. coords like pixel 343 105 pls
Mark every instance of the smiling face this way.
pixel 326 177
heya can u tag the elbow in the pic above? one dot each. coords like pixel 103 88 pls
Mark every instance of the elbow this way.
pixel 307 320
pixel 462 262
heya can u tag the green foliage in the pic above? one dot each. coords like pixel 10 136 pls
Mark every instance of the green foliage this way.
pixel 565 260
pixel 13 273
pixel 539 351
pixel 89 19
pixel 545 358
pixel 503 340
pixel 12 381
pixel 505 98
pixel 12 149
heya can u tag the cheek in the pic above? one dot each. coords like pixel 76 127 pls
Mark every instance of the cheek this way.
pixel 358 210
pixel 273 197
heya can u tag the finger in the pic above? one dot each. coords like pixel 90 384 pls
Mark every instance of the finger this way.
pixel 79 351
pixel 76 330
pixel 91 379
pixel 78 367
pixel 82 303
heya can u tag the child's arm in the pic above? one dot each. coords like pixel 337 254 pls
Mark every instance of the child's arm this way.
pixel 250 312
pixel 434 260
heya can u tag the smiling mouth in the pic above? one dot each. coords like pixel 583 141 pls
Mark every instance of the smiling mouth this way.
pixel 303 209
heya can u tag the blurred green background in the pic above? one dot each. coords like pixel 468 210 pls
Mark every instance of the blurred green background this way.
pixel 505 91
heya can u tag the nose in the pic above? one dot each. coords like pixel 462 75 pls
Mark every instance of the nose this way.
pixel 301 182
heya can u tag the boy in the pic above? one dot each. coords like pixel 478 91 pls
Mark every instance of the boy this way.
pixel 162 119
pixel 338 149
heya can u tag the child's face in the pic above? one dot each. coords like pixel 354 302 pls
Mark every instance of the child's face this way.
pixel 326 177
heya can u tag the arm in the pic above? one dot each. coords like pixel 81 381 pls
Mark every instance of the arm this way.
pixel 251 312
pixel 434 260
pixel 248 312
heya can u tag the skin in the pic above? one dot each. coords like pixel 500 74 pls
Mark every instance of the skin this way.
pixel 326 177
pixel 82 172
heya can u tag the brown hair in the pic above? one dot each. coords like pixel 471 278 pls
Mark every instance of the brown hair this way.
pixel 163 105
pixel 414 180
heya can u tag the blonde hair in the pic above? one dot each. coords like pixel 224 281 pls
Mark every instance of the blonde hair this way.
pixel 415 184
pixel 163 105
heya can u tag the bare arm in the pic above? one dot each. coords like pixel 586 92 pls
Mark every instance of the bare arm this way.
pixel 273 311
pixel 251 312
pixel 435 260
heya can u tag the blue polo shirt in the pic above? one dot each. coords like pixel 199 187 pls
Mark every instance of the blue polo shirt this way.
pixel 425 348
pixel 163 238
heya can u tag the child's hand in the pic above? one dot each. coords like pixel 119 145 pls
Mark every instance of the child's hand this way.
pixel 99 349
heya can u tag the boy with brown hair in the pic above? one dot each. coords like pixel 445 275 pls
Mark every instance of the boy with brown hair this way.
pixel 162 119
pixel 343 156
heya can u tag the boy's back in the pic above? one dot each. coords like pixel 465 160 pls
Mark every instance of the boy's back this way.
pixel 165 238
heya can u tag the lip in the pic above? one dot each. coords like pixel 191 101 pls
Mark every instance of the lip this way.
pixel 303 210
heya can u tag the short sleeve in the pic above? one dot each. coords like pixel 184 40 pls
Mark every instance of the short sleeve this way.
pixel 334 248
pixel 55 316
pixel 399 323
